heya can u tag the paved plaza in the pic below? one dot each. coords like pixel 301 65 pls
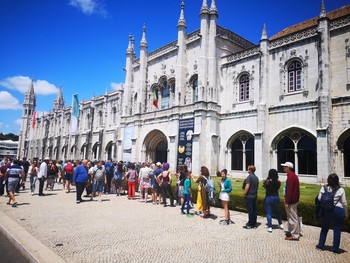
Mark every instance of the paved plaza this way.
pixel 54 228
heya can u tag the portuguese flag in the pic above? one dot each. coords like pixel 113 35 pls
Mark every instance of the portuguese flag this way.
pixel 155 99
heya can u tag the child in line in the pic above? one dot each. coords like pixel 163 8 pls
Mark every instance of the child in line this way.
pixel 187 195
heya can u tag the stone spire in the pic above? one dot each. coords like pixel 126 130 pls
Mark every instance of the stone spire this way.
pixel 143 40
pixel 58 103
pixel 264 33
pixel 29 97
pixel 323 12
pixel 213 10
pixel 130 48
pixel 182 21
pixel 204 8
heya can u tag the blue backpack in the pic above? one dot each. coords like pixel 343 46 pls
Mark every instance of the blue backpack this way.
pixel 327 200
pixel 109 168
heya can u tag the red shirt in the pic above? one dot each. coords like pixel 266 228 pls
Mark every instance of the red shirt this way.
pixel 292 189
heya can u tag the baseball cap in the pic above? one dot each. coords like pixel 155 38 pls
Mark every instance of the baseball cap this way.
pixel 288 164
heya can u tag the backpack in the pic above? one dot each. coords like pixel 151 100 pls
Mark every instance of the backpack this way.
pixel 210 189
pixel 69 168
pixel 327 200
pixel 109 168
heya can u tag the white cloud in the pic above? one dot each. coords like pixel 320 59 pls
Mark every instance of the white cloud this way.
pixel 22 83
pixel 117 86
pixel 18 122
pixel 89 7
pixel 9 102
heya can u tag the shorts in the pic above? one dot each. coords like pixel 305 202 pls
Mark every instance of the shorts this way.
pixel 180 191
pixel 224 196
pixel 156 188
pixel 68 177
pixel 98 186
pixel 146 183
pixel 12 183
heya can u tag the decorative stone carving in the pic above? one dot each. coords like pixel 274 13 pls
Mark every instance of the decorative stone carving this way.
pixel 293 38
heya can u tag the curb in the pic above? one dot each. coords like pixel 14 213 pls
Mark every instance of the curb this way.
pixel 31 248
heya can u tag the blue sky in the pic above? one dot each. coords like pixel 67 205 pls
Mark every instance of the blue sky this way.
pixel 81 44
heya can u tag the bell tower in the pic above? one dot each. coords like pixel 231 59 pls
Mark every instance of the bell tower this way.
pixel 29 105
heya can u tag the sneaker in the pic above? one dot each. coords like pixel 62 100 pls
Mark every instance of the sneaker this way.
pixel 269 229
pixel 224 223
pixel 78 201
pixel 319 247
pixel 183 212
pixel 281 226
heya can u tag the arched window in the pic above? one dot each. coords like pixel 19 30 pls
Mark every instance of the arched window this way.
pixel 87 121
pixel 165 96
pixel 242 153
pixel 285 152
pixel 114 115
pixel 301 151
pixel 294 76
pixel 100 118
pixel 346 149
pixel 244 87
pixel 195 90
pixel 307 156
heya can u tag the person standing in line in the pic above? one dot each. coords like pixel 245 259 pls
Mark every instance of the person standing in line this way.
pixel 156 190
pixel 335 215
pixel 181 177
pixel 68 170
pixel 14 173
pixel 33 174
pixel 250 196
pixel 3 179
pixel 145 182
pixel 272 199
pixel 202 179
pixel 164 180
pixel 80 178
pixel 187 191
pixel 51 175
pixel 291 201
pixel 131 175
pixel 25 166
pixel 42 175
pixel 109 167
pixel 99 179
pixel 118 178
pixel 59 166
pixel 225 190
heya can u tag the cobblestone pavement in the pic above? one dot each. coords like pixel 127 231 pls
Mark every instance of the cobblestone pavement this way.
pixel 122 230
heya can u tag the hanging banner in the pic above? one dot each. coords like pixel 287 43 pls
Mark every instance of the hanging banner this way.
pixel 184 150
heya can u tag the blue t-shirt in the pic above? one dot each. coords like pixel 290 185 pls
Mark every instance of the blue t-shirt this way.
pixel 187 184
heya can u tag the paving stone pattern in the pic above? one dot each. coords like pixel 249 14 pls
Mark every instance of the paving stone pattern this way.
pixel 122 230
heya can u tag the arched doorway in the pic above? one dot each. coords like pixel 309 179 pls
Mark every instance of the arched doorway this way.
pixel 155 146
pixel 95 152
pixel 109 150
pixel 343 145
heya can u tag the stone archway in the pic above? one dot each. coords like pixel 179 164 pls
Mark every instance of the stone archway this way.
pixel 155 146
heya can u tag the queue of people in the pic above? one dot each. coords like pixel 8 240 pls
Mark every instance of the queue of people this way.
pixel 121 178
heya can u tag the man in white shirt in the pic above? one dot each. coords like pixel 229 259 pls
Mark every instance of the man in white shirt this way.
pixel 42 175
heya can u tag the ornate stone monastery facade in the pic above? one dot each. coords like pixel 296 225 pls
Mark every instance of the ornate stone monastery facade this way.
pixel 223 102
